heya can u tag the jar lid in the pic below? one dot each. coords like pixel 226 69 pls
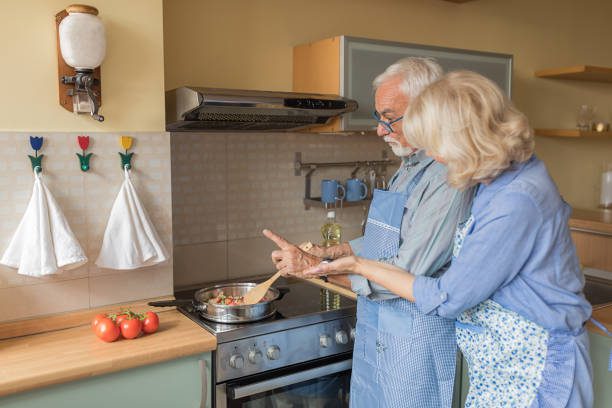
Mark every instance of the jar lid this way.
pixel 82 8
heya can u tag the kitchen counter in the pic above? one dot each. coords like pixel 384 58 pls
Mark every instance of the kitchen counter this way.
pixel 591 220
pixel 68 354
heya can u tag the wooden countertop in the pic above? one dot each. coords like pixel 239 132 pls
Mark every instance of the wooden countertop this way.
pixel 73 353
pixel 592 220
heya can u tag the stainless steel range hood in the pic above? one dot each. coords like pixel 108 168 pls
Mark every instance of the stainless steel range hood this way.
pixel 192 109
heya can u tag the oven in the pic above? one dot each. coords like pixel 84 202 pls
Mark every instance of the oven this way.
pixel 324 384
pixel 299 357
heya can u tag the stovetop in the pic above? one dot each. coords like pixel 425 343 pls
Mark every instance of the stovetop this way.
pixel 303 305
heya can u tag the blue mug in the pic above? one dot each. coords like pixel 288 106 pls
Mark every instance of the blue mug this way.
pixel 332 190
pixel 356 190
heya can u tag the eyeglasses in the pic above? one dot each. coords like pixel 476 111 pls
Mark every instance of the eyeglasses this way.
pixel 388 125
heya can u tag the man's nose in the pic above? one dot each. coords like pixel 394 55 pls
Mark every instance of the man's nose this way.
pixel 381 130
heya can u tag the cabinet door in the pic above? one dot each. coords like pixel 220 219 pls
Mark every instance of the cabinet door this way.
pixel 175 383
pixel 600 347
pixel 363 59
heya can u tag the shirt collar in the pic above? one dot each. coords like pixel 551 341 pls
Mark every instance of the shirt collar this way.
pixel 416 158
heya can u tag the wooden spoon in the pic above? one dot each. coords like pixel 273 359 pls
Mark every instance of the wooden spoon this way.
pixel 254 295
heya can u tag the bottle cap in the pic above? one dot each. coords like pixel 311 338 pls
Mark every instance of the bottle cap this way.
pixel 331 214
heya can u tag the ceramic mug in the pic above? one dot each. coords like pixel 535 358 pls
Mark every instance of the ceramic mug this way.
pixel 356 190
pixel 332 190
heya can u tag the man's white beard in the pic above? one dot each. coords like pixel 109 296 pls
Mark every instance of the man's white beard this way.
pixel 398 149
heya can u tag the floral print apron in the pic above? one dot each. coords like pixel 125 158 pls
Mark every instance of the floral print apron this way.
pixel 506 353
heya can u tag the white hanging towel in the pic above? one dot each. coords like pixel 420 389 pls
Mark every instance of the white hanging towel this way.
pixel 43 243
pixel 130 240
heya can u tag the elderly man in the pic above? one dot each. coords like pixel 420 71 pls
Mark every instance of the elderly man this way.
pixel 401 357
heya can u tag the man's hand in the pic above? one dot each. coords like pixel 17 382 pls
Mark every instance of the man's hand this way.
pixel 289 259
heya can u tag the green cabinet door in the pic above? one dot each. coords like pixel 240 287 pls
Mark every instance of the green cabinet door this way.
pixel 174 383
pixel 602 378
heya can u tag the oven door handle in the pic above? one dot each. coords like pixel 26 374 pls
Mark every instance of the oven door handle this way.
pixel 237 392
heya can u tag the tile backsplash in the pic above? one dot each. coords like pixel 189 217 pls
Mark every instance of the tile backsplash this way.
pixel 86 200
pixel 227 187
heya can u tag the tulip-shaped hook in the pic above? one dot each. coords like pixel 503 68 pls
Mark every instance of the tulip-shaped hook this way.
pixel 36 142
pixel 126 159
pixel 84 158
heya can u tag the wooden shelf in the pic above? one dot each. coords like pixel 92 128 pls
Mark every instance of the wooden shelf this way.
pixel 571 133
pixel 578 72
pixel 316 202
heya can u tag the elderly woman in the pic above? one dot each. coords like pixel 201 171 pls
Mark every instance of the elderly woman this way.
pixel 514 284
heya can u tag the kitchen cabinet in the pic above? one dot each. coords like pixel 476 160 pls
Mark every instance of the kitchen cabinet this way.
pixel 602 378
pixel 347 66
pixel 174 383
pixel 588 73
pixel 592 234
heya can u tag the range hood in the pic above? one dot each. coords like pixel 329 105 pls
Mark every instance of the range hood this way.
pixel 191 109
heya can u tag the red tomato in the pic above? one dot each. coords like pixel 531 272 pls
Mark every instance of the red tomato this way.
pixel 131 328
pixel 96 320
pixel 150 323
pixel 107 330
pixel 120 318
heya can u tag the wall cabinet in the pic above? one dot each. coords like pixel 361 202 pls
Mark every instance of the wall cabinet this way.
pixel 175 383
pixel 347 66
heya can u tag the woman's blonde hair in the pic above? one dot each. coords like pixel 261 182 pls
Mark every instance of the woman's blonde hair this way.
pixel 465 119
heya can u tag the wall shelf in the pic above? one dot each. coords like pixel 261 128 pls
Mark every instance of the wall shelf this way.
pixel 572 133
pixel 578 72
pixel 316 202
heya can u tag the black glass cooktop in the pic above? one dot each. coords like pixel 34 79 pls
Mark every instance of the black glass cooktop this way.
pixel 303 304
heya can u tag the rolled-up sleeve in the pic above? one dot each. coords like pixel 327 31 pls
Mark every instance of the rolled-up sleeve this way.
pixel 492 254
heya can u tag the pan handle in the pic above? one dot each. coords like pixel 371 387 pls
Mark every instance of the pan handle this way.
pixel 282 292
pixel 176 302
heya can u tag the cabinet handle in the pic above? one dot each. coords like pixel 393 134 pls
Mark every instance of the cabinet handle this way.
pixel 204 378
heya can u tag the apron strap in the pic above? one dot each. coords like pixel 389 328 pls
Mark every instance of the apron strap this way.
pixel 607 332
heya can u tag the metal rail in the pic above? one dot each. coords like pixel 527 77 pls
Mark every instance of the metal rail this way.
pixel 310 168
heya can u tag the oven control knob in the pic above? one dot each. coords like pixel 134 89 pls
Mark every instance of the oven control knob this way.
pixel 341 337
pixel 237 361
pixel 273 352
pixel 255 356
pixel 324 340
pixel 352 334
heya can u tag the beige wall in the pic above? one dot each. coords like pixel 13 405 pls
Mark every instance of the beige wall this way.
pixel 132 73
pixel 248 44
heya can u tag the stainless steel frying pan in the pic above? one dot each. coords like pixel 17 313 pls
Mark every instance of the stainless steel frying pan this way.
pixel 227 313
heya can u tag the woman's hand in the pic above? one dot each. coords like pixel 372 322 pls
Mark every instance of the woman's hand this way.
pixel 340 266
pixel 289 259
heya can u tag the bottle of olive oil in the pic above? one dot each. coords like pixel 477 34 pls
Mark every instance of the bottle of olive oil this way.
pixel 331 231
pixel 332 235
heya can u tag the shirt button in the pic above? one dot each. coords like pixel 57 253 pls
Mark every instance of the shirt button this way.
pixel 443 296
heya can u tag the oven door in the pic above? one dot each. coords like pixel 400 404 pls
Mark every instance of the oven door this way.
pixel 322 386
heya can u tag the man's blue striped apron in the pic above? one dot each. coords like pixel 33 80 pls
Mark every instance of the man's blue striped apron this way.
pixel 402 358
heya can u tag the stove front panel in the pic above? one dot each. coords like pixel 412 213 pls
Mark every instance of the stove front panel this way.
pixel 261 353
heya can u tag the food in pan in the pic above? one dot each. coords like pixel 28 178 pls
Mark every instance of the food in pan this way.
pixel 222 299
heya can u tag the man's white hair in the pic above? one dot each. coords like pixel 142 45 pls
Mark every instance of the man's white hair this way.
pixel 416 74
